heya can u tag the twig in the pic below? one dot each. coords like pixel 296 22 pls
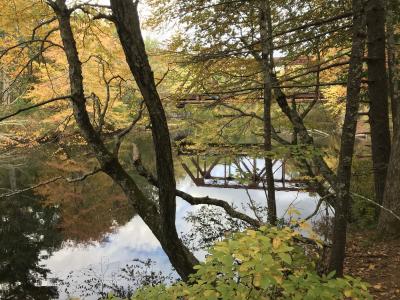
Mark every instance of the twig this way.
pixel 124 132
pixel 163 77
pixel 321 200
pixel 377 204
pixel 35 106
pixel 221 203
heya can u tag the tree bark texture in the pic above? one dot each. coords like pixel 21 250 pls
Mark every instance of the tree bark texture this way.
pixel 126 19
pixel 342 202
pixel 378 95
pixel 267 66
pixel 161 220
pixel 388 225
pixel 393 64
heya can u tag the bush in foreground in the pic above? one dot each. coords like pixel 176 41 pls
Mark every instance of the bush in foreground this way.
pixel 265 264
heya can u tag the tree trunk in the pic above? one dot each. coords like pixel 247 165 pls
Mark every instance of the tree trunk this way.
pixel 388 225
pixel 392 63
pixel 5 92
pixel 267 66
pixel 161 224
pixel 126 20
pixel 298 125
pixel 377 89
pixel 347 140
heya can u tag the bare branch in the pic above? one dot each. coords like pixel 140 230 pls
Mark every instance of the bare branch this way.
pixel 52 180
pixel 314 213
pixel 314 23
pixel 25 43
pixel 220 203
pixel 46 22
pixel 123 133
pixel 377 204
pixel 96 15
pixel 34 106
pixel 189 198
pixel 163 77
pixel 29 62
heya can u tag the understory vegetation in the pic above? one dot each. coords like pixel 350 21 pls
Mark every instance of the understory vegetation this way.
pixel 269 263
pixel 245 143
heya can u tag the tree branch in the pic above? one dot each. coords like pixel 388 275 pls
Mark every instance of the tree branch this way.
pixel 189 198
pixel 377 204
pixel 34 106
pixel 52 180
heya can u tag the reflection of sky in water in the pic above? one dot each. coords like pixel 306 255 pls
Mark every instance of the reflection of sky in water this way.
pixel 135 240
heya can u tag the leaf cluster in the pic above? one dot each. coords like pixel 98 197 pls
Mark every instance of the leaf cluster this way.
pixel 264 264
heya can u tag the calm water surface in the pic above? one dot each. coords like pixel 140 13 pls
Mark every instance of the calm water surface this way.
pixel 72 232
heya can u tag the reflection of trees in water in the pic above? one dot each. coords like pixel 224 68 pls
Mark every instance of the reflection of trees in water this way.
pixel 34 223
pixel 99 282
pixel 27 234
pixel 88 209
pixel 208 225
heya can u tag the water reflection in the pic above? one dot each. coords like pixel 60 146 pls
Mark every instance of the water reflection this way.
pixel 240 172
pixel 90 226
pixel 135 240
pixel 28 235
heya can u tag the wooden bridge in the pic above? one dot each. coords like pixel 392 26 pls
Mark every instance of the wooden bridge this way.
pixel 239 173
pixel 208 99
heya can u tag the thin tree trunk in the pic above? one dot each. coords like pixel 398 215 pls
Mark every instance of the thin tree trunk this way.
pixel 297 123
pixel 342 201
pixel 267 65
pixel 392 65
pixel 5 88
pixel 377 89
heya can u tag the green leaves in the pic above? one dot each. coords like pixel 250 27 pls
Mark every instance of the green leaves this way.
pixel 264 264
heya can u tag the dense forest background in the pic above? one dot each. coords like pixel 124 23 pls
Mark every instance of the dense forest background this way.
pixel 312 82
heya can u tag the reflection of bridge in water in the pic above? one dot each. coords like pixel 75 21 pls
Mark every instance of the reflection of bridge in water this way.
pixel 240 173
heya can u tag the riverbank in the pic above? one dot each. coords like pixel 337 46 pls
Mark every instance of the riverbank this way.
pixel 376 262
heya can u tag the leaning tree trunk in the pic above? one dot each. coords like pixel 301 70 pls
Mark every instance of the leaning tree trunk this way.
pixel 267 66
pixel 126 19
pixel 347 140
pixel 378 95
pixel 162 223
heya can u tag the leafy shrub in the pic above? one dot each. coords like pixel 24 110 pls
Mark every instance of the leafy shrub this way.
pixel 265 264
